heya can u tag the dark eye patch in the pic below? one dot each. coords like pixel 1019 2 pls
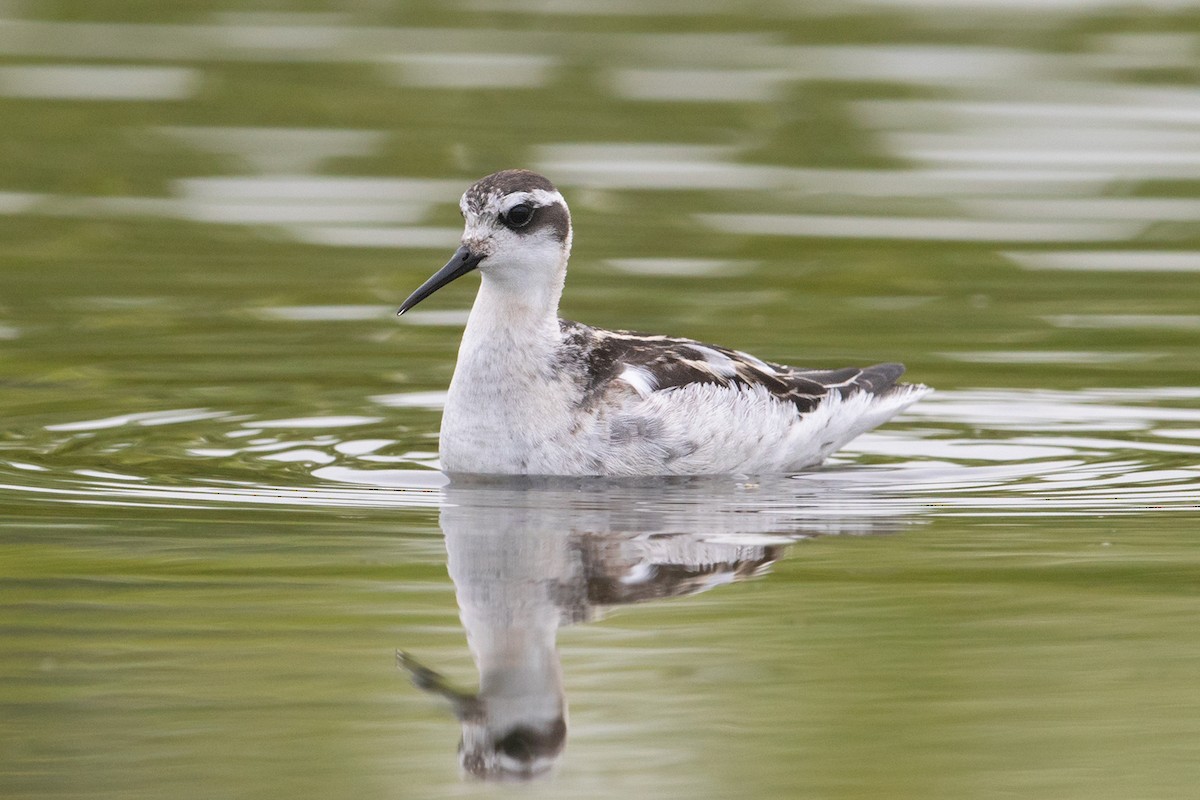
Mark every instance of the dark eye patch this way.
pixel 518 216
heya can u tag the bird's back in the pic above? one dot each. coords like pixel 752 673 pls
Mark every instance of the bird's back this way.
pixel 676 406
pixel 659 363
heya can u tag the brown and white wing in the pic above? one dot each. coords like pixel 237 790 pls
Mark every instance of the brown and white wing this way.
pixel 649 363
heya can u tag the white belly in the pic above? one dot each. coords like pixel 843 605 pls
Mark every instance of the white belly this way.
pixel 702 429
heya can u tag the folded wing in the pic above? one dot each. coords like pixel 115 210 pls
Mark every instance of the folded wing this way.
pixel 649 363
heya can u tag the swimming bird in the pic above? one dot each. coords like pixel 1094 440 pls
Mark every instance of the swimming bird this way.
pixel 533 394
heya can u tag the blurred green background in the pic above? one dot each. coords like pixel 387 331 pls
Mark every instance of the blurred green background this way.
pixel 209 211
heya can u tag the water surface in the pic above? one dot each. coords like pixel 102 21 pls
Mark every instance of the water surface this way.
pixel 220 513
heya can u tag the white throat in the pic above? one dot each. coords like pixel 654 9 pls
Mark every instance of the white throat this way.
pixel 517 303
pixel 506 367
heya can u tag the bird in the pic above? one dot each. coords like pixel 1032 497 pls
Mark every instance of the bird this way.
pixel 536 395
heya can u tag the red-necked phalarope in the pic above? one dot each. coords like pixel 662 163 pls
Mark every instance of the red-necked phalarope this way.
pixel 533 394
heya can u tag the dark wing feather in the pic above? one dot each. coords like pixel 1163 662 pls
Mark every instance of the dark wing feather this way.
pixel 604 355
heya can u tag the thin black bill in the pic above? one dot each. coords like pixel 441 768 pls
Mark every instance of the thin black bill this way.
pixel 460 264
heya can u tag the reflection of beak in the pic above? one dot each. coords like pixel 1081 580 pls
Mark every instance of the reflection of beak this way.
pixel 460 264
pixel 466 706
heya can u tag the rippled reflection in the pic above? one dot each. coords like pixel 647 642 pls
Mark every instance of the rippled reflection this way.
pixel 218 463
pixel 983 452
pixel 528 558
pixel 78 82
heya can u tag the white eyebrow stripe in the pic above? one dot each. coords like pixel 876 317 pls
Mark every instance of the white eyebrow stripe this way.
pixel 500 204
pixel 538 198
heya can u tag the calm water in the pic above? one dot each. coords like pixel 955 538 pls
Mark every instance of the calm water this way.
pixel 220 514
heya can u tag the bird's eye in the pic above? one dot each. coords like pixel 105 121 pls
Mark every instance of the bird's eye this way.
pixel 518 216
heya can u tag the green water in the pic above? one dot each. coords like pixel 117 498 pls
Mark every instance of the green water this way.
pixel 220 514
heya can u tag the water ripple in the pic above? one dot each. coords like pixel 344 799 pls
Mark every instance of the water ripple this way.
pixel 976 453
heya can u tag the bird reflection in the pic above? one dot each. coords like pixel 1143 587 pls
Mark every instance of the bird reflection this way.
pixel 529 558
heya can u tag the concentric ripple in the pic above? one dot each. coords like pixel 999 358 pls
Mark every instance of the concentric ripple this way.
pixel 977 453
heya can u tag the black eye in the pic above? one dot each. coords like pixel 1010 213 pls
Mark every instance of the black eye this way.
pixel 518 216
